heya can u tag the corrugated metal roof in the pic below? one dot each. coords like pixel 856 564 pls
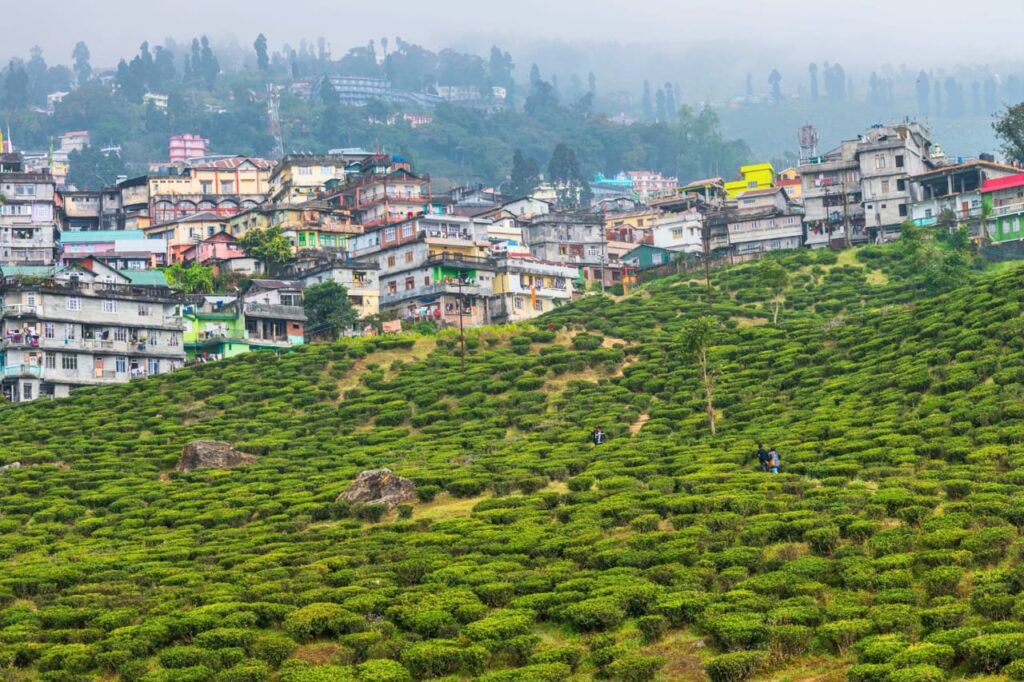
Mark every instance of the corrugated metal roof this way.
pixel 1009 182
pixel 146 278
pixel 85 236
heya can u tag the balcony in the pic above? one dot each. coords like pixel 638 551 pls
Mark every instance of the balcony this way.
pixel 276 311
pixel 458 260
pixel 431 290
pixel 1007 209
pixel 17 371
pixel 19 310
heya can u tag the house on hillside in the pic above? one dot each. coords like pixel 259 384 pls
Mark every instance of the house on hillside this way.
pixel 84 325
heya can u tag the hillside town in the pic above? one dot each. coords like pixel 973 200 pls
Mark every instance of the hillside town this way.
pixel 88 297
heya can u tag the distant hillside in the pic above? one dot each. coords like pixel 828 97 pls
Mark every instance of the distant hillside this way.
pixel 887 549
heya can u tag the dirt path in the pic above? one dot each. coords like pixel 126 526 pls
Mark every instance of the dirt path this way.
pixel 420 350
pixel 635 427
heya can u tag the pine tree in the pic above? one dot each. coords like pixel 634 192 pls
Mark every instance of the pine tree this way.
pixel 82 68
pixel 260 45
pixel 525 175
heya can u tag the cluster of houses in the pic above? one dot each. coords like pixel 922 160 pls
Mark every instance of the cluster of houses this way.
pixel 86 301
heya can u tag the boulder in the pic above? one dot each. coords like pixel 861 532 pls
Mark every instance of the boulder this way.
pixel 212 454
pixel 379 486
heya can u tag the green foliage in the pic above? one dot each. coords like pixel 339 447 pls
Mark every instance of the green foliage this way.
pixel 194 279
pixel 269 246
pixel 736 667
pixel 329 313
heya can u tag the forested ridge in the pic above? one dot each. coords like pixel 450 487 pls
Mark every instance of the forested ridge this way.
pixel 886 549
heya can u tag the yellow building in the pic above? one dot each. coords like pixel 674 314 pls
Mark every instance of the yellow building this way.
pixel 307 227
pixel 790 180
pixel 753 176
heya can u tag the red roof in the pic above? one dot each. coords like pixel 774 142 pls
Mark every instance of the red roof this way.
pixel 1009 182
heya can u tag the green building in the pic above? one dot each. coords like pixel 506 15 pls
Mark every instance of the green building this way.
pixel 1003 208
pixel 647 256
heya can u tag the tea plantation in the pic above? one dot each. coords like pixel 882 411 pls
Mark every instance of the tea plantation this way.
pixel 887 550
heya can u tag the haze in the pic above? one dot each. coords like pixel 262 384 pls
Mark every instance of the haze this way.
pixel 868 32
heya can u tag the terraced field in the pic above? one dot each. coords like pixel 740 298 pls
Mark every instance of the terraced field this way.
pixel 887 549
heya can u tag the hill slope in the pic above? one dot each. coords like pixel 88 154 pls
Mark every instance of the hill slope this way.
pixel 889 542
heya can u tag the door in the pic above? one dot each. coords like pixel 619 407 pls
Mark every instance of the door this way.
pixel 98 371
pixel 966 208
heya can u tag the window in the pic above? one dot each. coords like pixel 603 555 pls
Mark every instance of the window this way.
pixel 227 186
pixel 519 302
pixel 154 366
pixel 408 256
pixel 173 341
pixel 31 298
pixel 26 391
pixel 120 334
pixel 70 332
pixel 391 261
pixel 389 234
pixel 901 185
pixel 928 213
pixel 885 186
pixel 903 209
pixel 74 303
pixel 109 305
pixel 305 170
pixel 326 170
pixel 899 161
pixel 121 364
pixel 50 360
pixel 410 283
pixel 407 230
pixel 426 281
pixel 206 187
pixel 154 338
pixel 879 161
pixel 145 310
pixel 69 361
pixel 25 190
pixel 392 287
pixel 49 331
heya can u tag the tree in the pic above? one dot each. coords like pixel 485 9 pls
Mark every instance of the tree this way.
pixel 209 66
pixel 92 169
pixel 775 278
pixel 775 79
pixel 328 310
pixel 572 189
pixel 16 86
pixel 269 246
pixel 592 83
pixel 812 69
pixel 525 175
pixel 1009 128
pixel 262 61
pixel 698 335
pixel 82 68
pixel 194 279
pixel 647 103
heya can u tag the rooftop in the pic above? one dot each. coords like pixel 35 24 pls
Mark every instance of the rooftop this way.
pixel 87 236
pixel 1009 182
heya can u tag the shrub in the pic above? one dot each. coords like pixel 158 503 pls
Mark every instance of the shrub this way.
pixel 839 635
pixel 633 668
pixel 989 653
pixel 918 673
pixel 943 580
pixel 271 647
pixel 1015 670
pixel 595 614
pixel 383 670
pixel 652 627
pixel 735 667
pixel 737 630
pixel 925 653
pixel 436 657
pixel 869 672
pixel 318 619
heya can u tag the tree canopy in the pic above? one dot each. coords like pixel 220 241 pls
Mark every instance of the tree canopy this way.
pixel 329 313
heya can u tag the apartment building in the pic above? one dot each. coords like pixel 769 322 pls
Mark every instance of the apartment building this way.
pixel 889 156
pixel 28 221
pixel 376 200
pixel 224 186
pixel 299 178
pixel 571 239
pixel 360 279
pixel 953 192
pixel 524 288
pixel 831 191
pixel 83 326
pixel 763 220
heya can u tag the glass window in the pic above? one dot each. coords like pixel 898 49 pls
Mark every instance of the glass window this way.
pixel 145 310
pixel 49 331
pixel 109 305
pixel 121 364
pixel 74 303
pixel 389 234
pixel 70 332
pixel 173 340
pixel 879 161
pixel 50 360
pixel 154 338
pixel 227 186
pixel 899 161
pixel 407 230
pixel 69 361
pixel 26 391
pixel 154 366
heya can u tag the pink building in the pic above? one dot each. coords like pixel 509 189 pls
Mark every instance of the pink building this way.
pixel 648 184
pixel 219 247
pixel 185 147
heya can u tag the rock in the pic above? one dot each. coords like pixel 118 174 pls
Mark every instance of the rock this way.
pixel 12 465
pixel 379 486
pixel 212 454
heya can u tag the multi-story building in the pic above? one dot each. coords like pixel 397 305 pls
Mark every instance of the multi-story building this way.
pixel 221 252
pixel 360 279
pixel 571 239
pixel 182 148
pixel 225 186
pixel 888 156
pixel 84 326
pixel 649 184
pixel 524 288
pixel 78 210
pixel 28 221
pixel 274 317
pixel 831 191
pixel 764 220
pixel 313 225
pixel 752 176
pixel 376 200
pixel 953 192
pixel 299 178
pixel 119 249
pixel 180 234
pixel 1003 201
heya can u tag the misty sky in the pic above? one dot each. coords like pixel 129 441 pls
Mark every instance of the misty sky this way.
pixel 866 32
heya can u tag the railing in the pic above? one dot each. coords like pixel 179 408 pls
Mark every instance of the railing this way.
pixel 130 290
pixel 19 309
pixel 1008 209
pixel 455 258
pixel 431 290
pixel 23 371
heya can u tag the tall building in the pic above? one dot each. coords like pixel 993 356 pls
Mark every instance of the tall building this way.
pixel 83 326
pixel 28 222
pixel 181 148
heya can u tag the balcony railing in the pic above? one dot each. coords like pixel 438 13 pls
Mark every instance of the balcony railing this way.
pixel 285 312
pixel 23 371
pixel 19 309
pixel 1008 209
pixel 431 290
pixel 457 259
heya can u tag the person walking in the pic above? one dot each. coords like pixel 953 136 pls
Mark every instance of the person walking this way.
pixel 597 435
pixel 762 457
pixel 774 461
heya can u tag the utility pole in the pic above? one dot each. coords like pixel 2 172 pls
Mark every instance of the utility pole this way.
pixel 846 216
pixel 705 234
pixel 462 330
